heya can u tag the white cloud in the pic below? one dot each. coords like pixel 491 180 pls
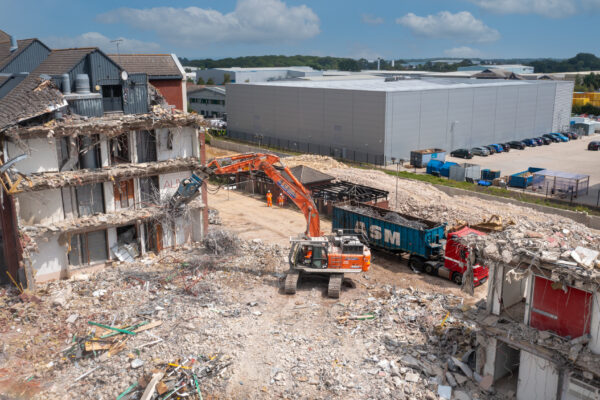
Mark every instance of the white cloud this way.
pixel 371 19
pixel 547 8
pixel 462 52
pixel 252 21
pixel 460 26
pixel 95 39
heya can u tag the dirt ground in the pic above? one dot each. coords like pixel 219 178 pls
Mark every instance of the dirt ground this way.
pixel 250 218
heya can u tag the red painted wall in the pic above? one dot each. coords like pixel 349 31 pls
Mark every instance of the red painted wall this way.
pixel 171 91
pixel 566 314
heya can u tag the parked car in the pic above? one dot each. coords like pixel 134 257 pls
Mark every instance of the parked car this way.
pixel 462 153
pixel 505 147
pixel 538 141
pixel 497 147
pixel 594 145
pixel 560 137
pixel 544 140
pixel 490 149
pixel 551 137
pixel 480 151
pixel 530 142
pixel 572 135
pixel 517 144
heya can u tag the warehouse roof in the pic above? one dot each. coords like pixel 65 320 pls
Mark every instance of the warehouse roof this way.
pixel 403 85
pixel 240 69
pixel 153 65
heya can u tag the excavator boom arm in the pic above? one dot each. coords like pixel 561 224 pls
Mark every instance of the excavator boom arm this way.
pixel 289 185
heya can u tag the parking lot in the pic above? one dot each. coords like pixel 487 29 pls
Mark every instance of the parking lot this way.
pixel 571 156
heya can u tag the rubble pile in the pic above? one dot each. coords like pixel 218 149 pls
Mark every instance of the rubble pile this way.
pixel 213 217
pixel 322 163
pixel 166 322
pixel 221 242
pixel 389 216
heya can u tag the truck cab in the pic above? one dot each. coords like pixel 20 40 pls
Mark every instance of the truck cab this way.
pixel 455 258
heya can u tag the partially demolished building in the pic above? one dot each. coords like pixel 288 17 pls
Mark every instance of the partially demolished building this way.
pixel 91 155
pixel 539 333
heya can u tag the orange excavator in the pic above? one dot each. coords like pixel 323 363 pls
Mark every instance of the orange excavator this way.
pixel 311 252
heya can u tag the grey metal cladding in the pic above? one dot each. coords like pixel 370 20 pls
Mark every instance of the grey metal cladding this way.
pixel 28 59
pixel 135 94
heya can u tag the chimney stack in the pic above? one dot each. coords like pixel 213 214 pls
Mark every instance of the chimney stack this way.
pixel 13 44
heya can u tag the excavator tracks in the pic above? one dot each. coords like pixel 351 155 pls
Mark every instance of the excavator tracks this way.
pixel 335 285
pixel 291 282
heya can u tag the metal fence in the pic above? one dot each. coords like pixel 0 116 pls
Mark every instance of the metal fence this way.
pixel 310 148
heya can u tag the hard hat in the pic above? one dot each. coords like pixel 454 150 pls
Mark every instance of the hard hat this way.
pixel 268 191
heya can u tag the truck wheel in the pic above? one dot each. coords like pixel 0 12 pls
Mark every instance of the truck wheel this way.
pixel 457 278
pixel 429 269
pixel 335 285
pixel 415 264
pixel 291 282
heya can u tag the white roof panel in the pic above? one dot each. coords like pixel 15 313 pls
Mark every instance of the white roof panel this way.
pixel 380 85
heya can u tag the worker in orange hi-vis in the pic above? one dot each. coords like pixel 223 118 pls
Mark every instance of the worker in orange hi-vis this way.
pixel 280 200
pixel 269 199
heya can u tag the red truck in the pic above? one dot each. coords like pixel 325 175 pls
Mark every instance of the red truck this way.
pixel 454 263
pixel 430 248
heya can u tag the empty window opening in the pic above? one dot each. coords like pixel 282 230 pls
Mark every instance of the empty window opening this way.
pixel 149 191
pixel 88 248
pixel 506 368
pixel 124 195
pixel 90 199
pixel 127 246
pixel 146 146
pixel 153 234
pixel 119 149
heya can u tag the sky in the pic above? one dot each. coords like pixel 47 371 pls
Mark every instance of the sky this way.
pixel 391 29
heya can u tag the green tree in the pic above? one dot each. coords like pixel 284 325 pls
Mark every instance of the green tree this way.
pixel 210 81
pixel 226 79
pixel 201 81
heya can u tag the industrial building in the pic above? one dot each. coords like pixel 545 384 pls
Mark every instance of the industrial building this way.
pixel 251 75
pixel 514 68
pixel 208 101
pixel 373 120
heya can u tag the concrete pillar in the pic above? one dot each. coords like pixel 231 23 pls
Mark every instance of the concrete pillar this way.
pixel 594 344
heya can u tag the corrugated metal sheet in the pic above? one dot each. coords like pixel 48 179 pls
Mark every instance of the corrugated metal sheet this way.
pixel 29 59
pixel 103 70
pixel 87 107
pixel 135 94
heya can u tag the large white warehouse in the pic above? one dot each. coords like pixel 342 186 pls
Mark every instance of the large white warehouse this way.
pixel 374 120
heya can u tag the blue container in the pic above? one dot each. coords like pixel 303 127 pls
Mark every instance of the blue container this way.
pixel 523 179
pixel 445 170
pixel 489 175
pixel 420 158
pixel 434 166
pixel 390 230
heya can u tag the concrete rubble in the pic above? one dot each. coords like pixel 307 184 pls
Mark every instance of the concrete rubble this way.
pixel 205 307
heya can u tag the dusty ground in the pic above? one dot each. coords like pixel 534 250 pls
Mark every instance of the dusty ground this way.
pixel 250 218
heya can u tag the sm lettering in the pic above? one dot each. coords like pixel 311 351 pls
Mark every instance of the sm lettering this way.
pixel 375 233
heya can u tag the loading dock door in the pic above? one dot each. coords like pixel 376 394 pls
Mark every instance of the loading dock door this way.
pixel 564 313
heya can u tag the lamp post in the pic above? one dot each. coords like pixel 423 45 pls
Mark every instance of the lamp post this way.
pixel 397 173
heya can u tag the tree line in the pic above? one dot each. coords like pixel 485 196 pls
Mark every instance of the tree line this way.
pixel 318 63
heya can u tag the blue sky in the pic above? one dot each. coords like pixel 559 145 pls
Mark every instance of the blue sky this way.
pixel 345 28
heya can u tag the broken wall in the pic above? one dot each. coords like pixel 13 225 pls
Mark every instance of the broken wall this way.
pixel 43 207
pixel 538 378
pixel 42 153
pixel 50 261
pixel 176 143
